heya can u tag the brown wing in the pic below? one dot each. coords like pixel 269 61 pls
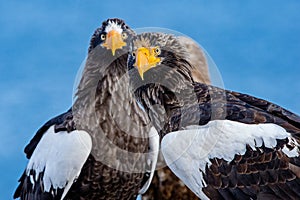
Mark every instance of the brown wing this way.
pixel 269 107
pixel 262 173
pixel 215 103
pixel 265 173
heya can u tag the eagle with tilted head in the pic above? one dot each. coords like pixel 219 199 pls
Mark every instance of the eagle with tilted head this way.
pixel 221 144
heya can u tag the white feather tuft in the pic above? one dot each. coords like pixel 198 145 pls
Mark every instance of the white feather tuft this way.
pixel 187 152
pixel 60 156
pixel 113 26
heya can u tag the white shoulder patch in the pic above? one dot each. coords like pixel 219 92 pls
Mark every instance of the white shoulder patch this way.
pixel 188 151
pixel 152 157
pixel 61 156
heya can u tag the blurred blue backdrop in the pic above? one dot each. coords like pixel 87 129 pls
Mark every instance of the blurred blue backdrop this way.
pixel 255 44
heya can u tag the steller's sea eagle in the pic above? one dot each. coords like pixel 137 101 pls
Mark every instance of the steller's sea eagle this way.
pixel 102 148
pixel 221 144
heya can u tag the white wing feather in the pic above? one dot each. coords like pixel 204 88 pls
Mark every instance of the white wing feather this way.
pixel 152 157
pixel 188 151
pixel 61 156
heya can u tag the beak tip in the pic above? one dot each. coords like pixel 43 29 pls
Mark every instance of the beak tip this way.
pixel 141 73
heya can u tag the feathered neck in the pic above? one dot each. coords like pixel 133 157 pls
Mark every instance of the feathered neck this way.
pixel 101 64
pixel 165 88
pixel 100 77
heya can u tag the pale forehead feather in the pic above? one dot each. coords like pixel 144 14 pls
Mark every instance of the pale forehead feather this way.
pixel 112 25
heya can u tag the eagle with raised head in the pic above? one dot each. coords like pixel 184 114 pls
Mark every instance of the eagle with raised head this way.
pixel 102 148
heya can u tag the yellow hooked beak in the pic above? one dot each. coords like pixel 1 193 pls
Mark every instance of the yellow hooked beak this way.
pixel 114 41
pixel 146 58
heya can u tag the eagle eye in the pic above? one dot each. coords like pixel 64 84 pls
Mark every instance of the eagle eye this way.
pixel 102 36
pixel 156 51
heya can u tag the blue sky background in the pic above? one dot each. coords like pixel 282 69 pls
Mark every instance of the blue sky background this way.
pixel 255 44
